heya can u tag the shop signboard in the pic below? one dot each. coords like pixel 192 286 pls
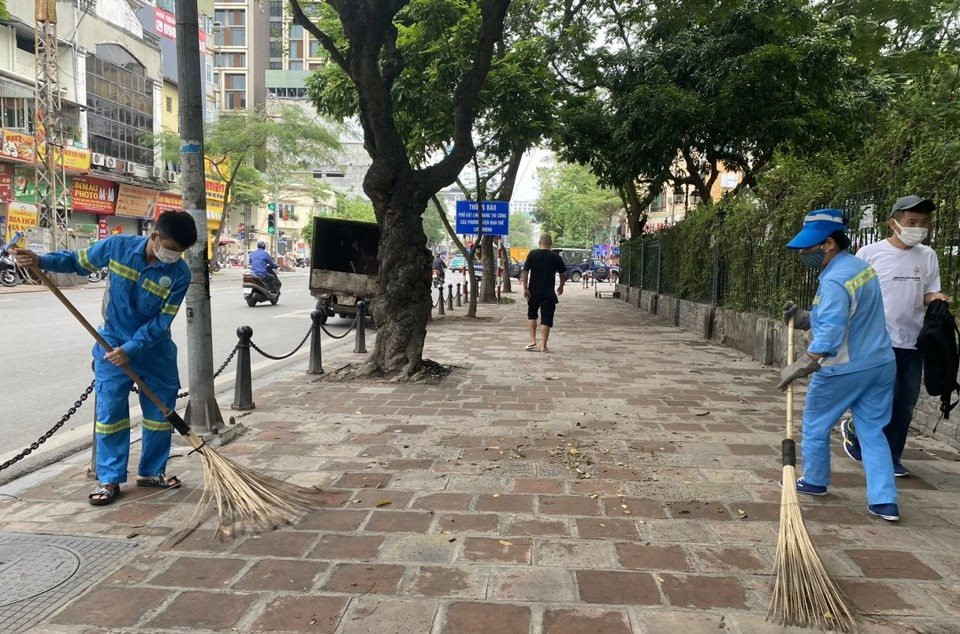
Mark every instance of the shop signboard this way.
pixel 94 195
pixel 17 147
pixel 136 202
pixel 20 217
pixel 6 182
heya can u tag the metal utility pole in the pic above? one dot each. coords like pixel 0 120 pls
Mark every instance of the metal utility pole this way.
pixel 50 179
pixel 203 413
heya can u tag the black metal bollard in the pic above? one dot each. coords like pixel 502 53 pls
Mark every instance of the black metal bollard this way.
pixel 499 286
pixel 458 296
pixel 449 296
pixel 360 346
pixel 440 307
pixel 316 354
pixel 243 387
pixel 466 291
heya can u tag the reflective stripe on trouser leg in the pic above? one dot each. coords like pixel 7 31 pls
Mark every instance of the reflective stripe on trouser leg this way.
pixel 872 412
pixel 157 432
pixel 113 422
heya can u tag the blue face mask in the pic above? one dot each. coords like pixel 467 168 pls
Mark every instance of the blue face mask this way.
pixel 814 259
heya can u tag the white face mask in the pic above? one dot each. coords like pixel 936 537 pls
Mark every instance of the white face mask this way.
pixel 911 236
pixel 167 256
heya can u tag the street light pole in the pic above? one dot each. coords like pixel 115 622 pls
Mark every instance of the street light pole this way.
pixel 202 413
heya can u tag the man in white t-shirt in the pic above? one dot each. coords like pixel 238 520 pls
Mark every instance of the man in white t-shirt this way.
pixel 909 276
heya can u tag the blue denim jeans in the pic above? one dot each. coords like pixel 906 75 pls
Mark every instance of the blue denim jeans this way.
pixel 906 392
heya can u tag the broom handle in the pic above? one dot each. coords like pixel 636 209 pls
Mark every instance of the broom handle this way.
pixel 790 328
pixel 146 391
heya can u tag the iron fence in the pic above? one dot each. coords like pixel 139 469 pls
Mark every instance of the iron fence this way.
pixel 748 268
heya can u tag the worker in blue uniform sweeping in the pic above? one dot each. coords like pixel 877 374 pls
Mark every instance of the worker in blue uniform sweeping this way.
pixel 147 282
pixel 850 359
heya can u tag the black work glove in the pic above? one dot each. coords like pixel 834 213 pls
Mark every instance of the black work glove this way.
pixel 802 367
pixel 801 318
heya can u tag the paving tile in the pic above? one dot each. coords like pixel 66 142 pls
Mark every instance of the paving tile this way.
pixel 111 607
pixel 652 557
pixel 603 586
pixel 440 581
pixel 698 511
pixel 701 592
pixel 302 613
pixel 890 564
pixel 583 621
pixel 538 485
pixel 335 546
pixel 198 572
pixel 568 505
pixel 535 527
pixel 281 574
pixel 508 503
pixel 482 549
pixel 420 548
pixel 398 522
pixel 607 528
pixel 332 520
pixel 384 615
pixel 574 554
pixel 276 544
pixel 364 578
pixel 486 618
pixel 468 523
pixel 443 502
pixel 363 480
pixel 199 610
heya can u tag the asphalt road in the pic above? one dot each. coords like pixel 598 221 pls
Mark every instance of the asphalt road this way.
pixel 46 354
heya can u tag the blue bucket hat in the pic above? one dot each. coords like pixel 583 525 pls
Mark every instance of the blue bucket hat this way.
pixel 817 227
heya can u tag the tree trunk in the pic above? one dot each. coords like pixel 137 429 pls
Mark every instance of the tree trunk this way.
pixel 488 290
pixel 472 281
pixel 403 299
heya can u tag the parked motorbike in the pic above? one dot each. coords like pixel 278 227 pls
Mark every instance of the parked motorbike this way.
pixel 257 289
pixel 10 274
pixel 97 276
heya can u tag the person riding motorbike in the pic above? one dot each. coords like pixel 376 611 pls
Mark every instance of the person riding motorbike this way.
pixel 263 266
pixel 439 268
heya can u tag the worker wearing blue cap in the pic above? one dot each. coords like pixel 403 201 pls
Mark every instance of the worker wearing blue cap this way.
pixel 850 357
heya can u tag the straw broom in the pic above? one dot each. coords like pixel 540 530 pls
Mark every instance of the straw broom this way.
pixel 244 498
pixel 803 595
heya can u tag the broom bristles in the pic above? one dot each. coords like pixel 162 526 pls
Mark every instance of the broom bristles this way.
pixel 804 595
pixel 245 499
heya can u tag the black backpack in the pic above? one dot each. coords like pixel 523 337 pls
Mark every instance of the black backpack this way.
pixel 937 343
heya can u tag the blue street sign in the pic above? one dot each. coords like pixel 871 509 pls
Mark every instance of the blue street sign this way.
pixel 496 218
pixel 598 250
pixel 616 251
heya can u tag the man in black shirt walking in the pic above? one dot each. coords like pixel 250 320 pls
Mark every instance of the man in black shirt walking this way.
pixel 539 271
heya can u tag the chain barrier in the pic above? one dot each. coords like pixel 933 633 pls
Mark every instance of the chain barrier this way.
pixel 349 329
pixel 42 439
pixel 289 354
pixel 223 366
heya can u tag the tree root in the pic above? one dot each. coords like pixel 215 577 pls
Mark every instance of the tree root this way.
pixel 429 372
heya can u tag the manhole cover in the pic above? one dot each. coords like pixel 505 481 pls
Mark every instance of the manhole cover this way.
pixel 39 573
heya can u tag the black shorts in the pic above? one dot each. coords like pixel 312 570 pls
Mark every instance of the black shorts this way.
pixel 546 305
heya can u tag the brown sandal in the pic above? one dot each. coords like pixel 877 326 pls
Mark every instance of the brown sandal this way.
pixel 104 494
pixel 159 482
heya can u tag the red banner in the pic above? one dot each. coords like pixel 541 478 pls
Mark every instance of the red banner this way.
pixel 94 195
pixel 6 182
pixel 168 201
pixel 165 23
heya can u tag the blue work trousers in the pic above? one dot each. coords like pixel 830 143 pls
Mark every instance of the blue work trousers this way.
pixel 869 393
pixel 159 372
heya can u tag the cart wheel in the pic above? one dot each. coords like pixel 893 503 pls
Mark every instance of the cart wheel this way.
pixel 575 277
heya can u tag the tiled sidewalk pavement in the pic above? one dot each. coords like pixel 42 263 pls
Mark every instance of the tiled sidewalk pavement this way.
pixel 626 482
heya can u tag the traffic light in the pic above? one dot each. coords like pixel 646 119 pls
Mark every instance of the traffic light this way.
pixel 271 223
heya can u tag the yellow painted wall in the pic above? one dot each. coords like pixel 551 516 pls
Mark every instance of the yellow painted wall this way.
pixel 170 120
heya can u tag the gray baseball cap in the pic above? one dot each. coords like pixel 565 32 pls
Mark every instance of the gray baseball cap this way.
pixel 913 203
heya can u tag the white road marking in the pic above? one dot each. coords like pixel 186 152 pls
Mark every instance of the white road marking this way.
pixel 294 313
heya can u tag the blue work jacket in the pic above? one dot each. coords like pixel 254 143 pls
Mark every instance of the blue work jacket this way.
pixel 140 301
pixel 261 263
pixel 847 320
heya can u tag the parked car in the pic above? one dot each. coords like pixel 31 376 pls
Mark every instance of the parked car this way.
pixel 602 272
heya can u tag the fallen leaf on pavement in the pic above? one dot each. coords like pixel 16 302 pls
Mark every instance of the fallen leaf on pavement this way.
pixel 383 502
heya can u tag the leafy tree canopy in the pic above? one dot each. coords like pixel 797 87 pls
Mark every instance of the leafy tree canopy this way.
pixel 573 207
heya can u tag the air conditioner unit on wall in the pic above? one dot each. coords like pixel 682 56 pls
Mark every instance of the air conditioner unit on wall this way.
pixel 170 176
pixel 97 159
pixel 110 162
pixel 158 172
pixel 131 167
